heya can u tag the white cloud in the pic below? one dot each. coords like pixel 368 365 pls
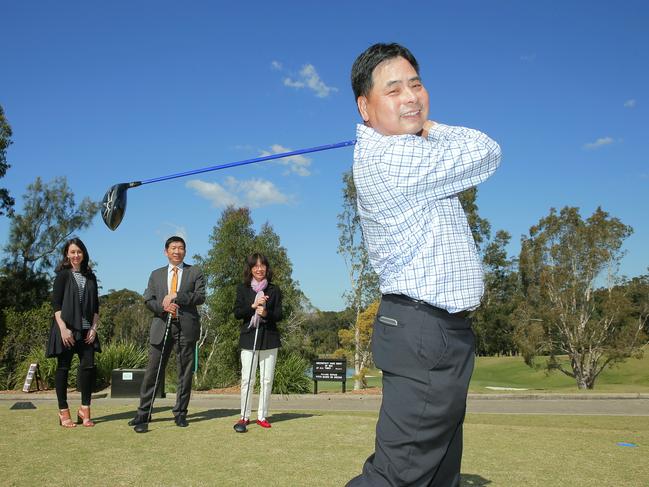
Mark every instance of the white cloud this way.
pixel 258 192
pixel 602 141
pixel 276 65
pixel 297 164
pixel 214 192
pixel 253 193
pixel 293 84
pixel 630 103
pixel 309 78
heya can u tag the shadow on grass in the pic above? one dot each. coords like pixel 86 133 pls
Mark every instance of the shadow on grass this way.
pixel 211 414
pixel 127 416
pixel 225 413
pixel 471 480
pixel 276 418
pixel 196 417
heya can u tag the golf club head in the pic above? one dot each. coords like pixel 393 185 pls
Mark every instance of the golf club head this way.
pixel 240 428
pixel 114 205
pixel 141 428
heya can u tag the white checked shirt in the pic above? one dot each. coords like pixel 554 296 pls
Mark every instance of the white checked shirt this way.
pixel 416 232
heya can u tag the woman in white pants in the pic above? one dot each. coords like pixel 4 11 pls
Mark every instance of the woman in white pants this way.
pixel 259 305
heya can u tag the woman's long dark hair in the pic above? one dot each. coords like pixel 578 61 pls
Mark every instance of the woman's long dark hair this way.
pixel 251 261
pixel 65 263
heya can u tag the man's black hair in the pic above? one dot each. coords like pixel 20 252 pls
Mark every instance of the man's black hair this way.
pixel 373 56
pixel 175 238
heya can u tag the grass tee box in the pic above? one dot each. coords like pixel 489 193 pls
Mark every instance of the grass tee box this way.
pixel 328 448
pixel 329 370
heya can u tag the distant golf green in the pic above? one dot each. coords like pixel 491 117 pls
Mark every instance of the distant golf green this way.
pixel 511 372
pixel 503 374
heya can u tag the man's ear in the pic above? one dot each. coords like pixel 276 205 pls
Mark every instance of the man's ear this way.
pixel 361 102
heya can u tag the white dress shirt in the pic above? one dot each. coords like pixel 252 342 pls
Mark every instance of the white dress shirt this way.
pixel 170 274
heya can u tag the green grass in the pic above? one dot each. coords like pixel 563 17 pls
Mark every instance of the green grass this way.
pixel 630 376
pixel 307 449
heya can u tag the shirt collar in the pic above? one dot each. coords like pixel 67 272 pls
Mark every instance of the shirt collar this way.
pixel 365 133
pixel 180 267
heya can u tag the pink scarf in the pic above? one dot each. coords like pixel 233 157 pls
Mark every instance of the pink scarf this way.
pixel 258 287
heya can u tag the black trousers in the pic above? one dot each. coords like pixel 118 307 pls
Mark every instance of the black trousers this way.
pixel 427 356
pixel 185 365
pixel 87 373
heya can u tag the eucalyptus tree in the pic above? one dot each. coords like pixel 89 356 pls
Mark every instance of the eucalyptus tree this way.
pixel 6 201
pixel 576 304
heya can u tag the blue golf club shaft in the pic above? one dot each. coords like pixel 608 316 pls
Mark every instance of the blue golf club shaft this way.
pixel 247 161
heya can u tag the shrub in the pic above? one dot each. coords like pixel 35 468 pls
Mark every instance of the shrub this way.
pixel 46 368
pixel 4 378
pixel 23 332
pixel 290 374
pixel 118 356
pixel 113 356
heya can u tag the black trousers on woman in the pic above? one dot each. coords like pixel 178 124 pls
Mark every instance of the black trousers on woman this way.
pixel 87 369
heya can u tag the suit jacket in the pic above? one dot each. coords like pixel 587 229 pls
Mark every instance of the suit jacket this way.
pixel 190 294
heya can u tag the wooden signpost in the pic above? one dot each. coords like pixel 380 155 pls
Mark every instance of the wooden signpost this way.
pixel 329 370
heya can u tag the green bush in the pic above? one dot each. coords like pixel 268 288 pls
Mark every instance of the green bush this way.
pixel 113 356
pixel 118 356
pixel 23 331
pixel 4 378
pixel 290 374
pixel 46 368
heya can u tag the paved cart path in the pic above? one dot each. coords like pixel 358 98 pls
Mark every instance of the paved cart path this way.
pixel 570 404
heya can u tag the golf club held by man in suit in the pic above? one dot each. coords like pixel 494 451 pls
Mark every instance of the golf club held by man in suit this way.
pixel 174 291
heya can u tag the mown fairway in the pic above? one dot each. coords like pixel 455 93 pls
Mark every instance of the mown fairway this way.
pixel 630 376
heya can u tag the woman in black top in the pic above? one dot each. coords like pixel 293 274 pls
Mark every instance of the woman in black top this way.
pixel 259 305
pixel 74 328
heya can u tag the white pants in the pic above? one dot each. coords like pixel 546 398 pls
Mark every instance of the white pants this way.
pixel 267 360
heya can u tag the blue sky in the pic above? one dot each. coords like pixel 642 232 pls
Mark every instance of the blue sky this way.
pixel 107 92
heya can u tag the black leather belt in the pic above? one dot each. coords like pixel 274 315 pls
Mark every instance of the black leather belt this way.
pixel 403 299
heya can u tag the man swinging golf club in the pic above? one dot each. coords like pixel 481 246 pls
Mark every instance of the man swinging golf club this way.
pixel 408 172
pixel 173 294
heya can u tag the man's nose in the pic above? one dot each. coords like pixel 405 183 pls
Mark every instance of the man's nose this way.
pixel 409 95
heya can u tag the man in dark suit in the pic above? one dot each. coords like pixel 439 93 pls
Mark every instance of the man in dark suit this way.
pixel 176 288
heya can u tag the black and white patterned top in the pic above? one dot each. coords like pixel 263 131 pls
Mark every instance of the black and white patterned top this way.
pixel 81 285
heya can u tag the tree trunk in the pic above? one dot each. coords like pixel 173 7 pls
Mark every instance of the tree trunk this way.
pixel 358 383
pixel 584 368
